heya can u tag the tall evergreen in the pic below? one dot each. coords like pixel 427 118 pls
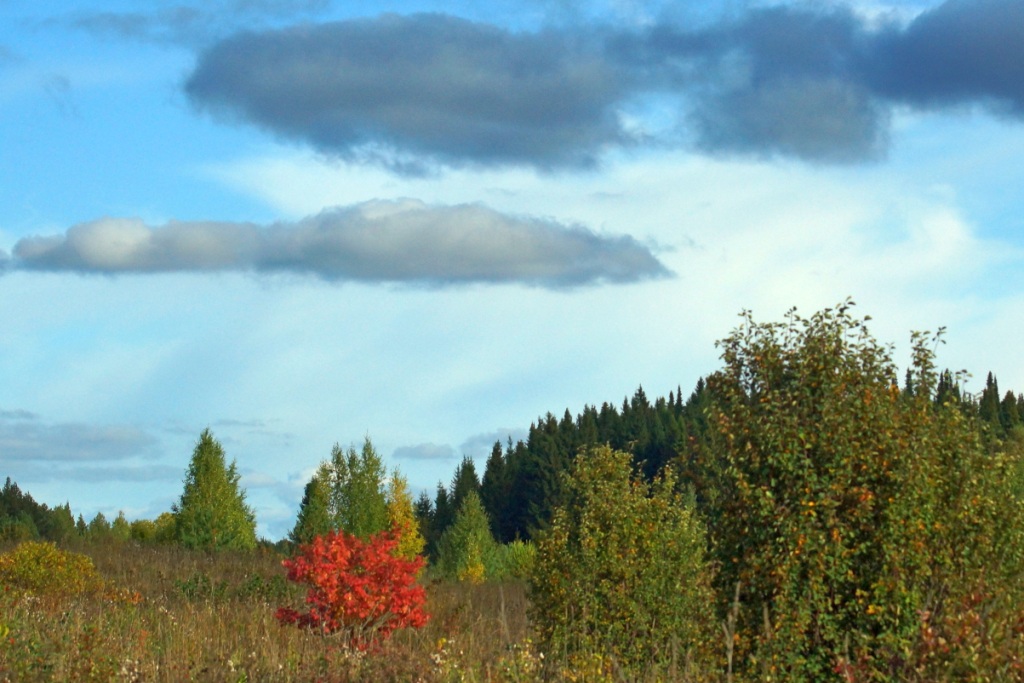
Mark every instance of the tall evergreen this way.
pixel 989 404
pixel 315 518
pixel 1009 415
pixel 443 517
pixel 424 511
pixel 212 512
pixel 464 481
pixel 61 524
pixel 495 490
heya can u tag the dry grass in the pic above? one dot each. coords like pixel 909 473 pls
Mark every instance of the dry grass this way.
pixel 175 615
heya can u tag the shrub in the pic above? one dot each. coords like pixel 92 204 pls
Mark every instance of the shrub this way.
pixel 854 520
pixel 44 569
pixel 620 574
pixel 357 589
pixel 513 560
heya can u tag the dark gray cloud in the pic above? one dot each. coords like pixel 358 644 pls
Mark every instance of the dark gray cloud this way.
pixel 425 451
pixel 778 81
pixel 24 438
pixel 824 120
pixel 397 241
pixel 960 52
pixel 814 82
pixel 820 84
pixel 435 86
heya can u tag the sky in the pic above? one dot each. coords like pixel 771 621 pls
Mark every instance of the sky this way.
pixel 309 222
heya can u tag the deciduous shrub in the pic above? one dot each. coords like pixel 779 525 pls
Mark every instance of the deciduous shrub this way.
pixel 513 560
pixel 44 569
pixel 359 590
pixel 621 574
pixel 858 520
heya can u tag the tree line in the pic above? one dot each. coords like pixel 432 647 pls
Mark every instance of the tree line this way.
pixel 522 482
pixel 831 521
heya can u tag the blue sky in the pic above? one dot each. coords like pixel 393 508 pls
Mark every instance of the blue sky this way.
pixel 301 222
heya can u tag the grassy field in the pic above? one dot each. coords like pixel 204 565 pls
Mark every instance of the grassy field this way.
pixel 169 614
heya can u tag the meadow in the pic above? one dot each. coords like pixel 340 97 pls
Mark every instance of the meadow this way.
pixel 171 614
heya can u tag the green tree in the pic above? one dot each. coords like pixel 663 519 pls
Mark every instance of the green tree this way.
pixel 424 511
pixel 61 524
pixel 467 548
pixel 359 501
pixel 495 491
pixel 99 529
pixel 441 517
pixel 20 514
pixel 315 517
pixel 18 528
pixel 166 528
pixel 1008 413
pixel 212 512
pixel 851 514
pixel 620 573
pixel 464 481
pixel 81 528
pixel 120 528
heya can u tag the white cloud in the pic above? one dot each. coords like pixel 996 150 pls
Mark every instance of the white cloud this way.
pixel 400 240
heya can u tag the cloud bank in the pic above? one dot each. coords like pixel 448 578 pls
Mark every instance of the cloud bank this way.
pixel 403 241
pixel 816 83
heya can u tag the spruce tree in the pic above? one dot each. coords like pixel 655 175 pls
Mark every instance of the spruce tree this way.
pixel 424 511
pixel 464 481
pixel 315 510
pixel 442 518
pixel 1008 414
pixel 212 513
pixel 467 548
pixel 61 524
pixel 495 490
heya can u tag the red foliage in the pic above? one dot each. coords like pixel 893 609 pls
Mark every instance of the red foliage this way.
pixel 356 588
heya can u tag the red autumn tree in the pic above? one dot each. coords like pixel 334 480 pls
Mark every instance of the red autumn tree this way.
pixel 357 589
